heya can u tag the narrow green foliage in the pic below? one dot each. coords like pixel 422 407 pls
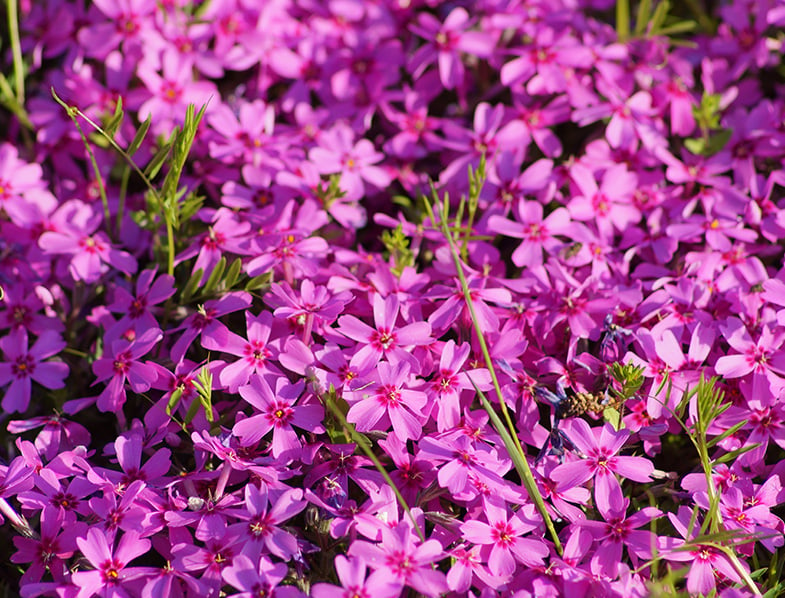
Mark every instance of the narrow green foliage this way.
pixel 643 17
pixel 204 389
pixel 397 244
pixel 139 137
pixel 328 195
pixel 623 19
pixel 159 158
pixel 259 282
pixel 629 378
pixel 651 23
pixel 72 112
pixel 190 287
pixel 215 276
pixel 114 122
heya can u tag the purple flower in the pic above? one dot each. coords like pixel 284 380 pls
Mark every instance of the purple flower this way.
pixel 386 339
pixel 601 461
pixel 23 365
pixel 91 253
pixel 278 413
pixel 262 579
pixel 389 401
pixel 404 558
pixel 502 537
pixel 120 363
pixel 445 43
pixel 351 574
pixel 111 575
pixel 337 152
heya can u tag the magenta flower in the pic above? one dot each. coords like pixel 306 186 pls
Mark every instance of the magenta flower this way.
pixel 763 358
pixel 608 205
pixel 205 322
pixel 449 381
pixel 501 536
pixel 706 563
pixel 600 447
pixel 263 526
pixel 50 551
pixel 278 413
pixel 617 532
pixel 337 152
pixel 120 363
pixel 225 235
pixel 255 353
pixel 262 579
pixel 351 574
pixel 136 309
pixel 312 308
pixel 111 574
pixel 405 559
pixel 445 42
pixel 538 233
pixel 389 400
pixel 386 339
pixel 91 253
pixel 24 365
pixel 170 91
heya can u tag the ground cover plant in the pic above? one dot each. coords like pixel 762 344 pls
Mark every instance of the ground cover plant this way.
pixel 392 298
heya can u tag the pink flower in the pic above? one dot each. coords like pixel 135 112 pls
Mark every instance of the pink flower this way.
pixel 255 353
pixel 389 400
pixel 351 574
pixel 763 358
pixel 91 253
pixel 386 339
pixel 337 152
pixel 501 536
pixel 600 447
pixel 446 41
pixel 24 365
pixel 404 558
pixel 278 413
pixel 538 233
pixel 120 363
pixel 111 572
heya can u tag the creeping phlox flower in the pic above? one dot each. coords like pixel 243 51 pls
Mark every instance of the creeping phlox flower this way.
pixel 219 376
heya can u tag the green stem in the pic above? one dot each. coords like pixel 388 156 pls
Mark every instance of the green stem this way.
pixel 623 19
pixel 16 50
pixel 72 113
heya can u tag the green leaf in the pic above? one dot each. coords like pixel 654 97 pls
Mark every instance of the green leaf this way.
pixel 613 417
pixel 191 286
pixel 233 274
pixel 677 28
pixel 733 455
pixel 215 276
pixel 257 282
pixel 729 432
pixel 138 139
pixel 642 20
pixel 173 400
pixel 159 159
pixel 696 146
pixel 113 124
pixel 660 14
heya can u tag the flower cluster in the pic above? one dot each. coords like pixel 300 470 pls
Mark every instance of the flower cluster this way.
pixel 260 369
